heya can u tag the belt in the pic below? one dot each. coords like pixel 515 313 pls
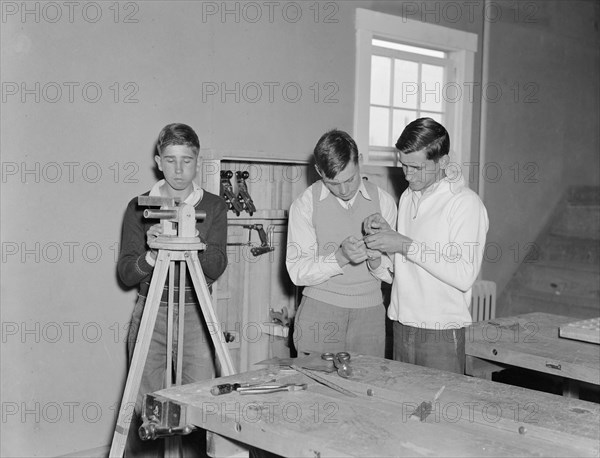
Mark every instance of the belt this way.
pixel 190 294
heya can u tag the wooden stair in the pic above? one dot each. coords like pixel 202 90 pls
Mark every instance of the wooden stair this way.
pixel 561 273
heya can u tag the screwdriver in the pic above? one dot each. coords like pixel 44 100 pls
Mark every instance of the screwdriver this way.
pixel 266 389
pixel 229 387
pixel 225 388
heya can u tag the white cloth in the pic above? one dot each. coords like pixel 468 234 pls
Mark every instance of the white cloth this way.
pixel 448 224
pixel 194 197
pixel 303 263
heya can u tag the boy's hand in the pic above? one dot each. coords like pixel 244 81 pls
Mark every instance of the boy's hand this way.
pixel 154 232
pixel 375 223
pixel 151 234
pixel 373 258
pixel 388 241
pixel 351 250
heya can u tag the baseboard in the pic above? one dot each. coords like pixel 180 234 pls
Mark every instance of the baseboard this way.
pixel 98 452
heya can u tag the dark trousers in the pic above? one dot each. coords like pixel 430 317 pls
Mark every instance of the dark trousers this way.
pixel 438 348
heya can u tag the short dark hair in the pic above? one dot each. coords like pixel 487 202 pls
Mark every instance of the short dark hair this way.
pixel 424 133
pixel 177 134
pixel 334 151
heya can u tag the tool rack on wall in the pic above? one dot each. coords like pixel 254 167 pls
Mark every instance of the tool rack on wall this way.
pixel 255 299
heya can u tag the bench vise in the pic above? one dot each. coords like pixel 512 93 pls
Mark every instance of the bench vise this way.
pixel 162 418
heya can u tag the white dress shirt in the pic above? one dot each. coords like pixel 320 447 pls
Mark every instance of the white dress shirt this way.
pixel 303 263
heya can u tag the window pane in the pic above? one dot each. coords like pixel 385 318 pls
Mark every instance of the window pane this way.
pixel 408 48
pixel 406 83
pixel 439 117
pixel 380 80
pixel 379 126
pixel 401 119
pixel 432 82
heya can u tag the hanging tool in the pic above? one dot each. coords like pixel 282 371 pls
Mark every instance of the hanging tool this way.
pixel 228 194
pixel 264 247
pixel 243 194
pixel 281 317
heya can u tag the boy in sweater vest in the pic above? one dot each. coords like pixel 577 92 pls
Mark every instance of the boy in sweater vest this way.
pixel 342 305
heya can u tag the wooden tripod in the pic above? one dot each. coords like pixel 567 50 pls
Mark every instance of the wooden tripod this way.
pixel 181 248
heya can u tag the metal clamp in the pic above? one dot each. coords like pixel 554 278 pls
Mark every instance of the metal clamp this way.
pixel 161 418
pixel 265 245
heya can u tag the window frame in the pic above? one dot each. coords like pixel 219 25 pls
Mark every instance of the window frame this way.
pixel 449 70
pixel 461 48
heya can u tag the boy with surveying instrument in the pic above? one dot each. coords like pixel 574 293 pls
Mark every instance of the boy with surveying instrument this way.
pixel 177 158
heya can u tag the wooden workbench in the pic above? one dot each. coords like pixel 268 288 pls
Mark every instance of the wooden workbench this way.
pixel 472 417
pixel 531 341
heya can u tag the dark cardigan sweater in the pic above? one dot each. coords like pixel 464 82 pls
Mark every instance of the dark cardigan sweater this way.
pixel 132 266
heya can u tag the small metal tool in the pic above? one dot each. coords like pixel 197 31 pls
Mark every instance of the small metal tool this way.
pixel 425 408
pixel 229 387
pixel 265 389
pixel 341 361
pixel 243 194
pixel 228 194
pixel 324 381
pixel 310 360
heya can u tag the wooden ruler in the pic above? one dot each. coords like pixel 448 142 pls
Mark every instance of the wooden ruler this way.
pixel 324 381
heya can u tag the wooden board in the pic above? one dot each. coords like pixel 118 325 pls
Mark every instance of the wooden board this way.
pixel 584 330
pixel 532 341
pixel 472 417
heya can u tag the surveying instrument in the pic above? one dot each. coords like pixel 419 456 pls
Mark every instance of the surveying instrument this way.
pixel 177 244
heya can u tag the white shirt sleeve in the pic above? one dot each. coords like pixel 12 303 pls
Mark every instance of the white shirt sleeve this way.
pixel 304 265
pixel 389 211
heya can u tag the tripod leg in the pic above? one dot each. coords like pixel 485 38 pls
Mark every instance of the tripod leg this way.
pixel 169 368
pixel 140 354
pixel 208 312
pixel 179 373
pixel 173 444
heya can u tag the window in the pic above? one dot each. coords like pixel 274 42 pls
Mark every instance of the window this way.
pixel 407 70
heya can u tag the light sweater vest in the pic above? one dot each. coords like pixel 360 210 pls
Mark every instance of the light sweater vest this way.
pixel 356 288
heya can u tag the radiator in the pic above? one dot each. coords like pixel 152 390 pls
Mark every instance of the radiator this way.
pixel 483 302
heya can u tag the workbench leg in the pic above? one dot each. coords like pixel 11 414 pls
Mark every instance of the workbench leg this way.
pixel 220 447
pixel 480 368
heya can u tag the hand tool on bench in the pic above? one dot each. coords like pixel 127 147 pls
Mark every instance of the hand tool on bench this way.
pixel 424 409
pixel 341 361
pixel 324 381
pixel 264 389
pixel 311 360
pixel 225 388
